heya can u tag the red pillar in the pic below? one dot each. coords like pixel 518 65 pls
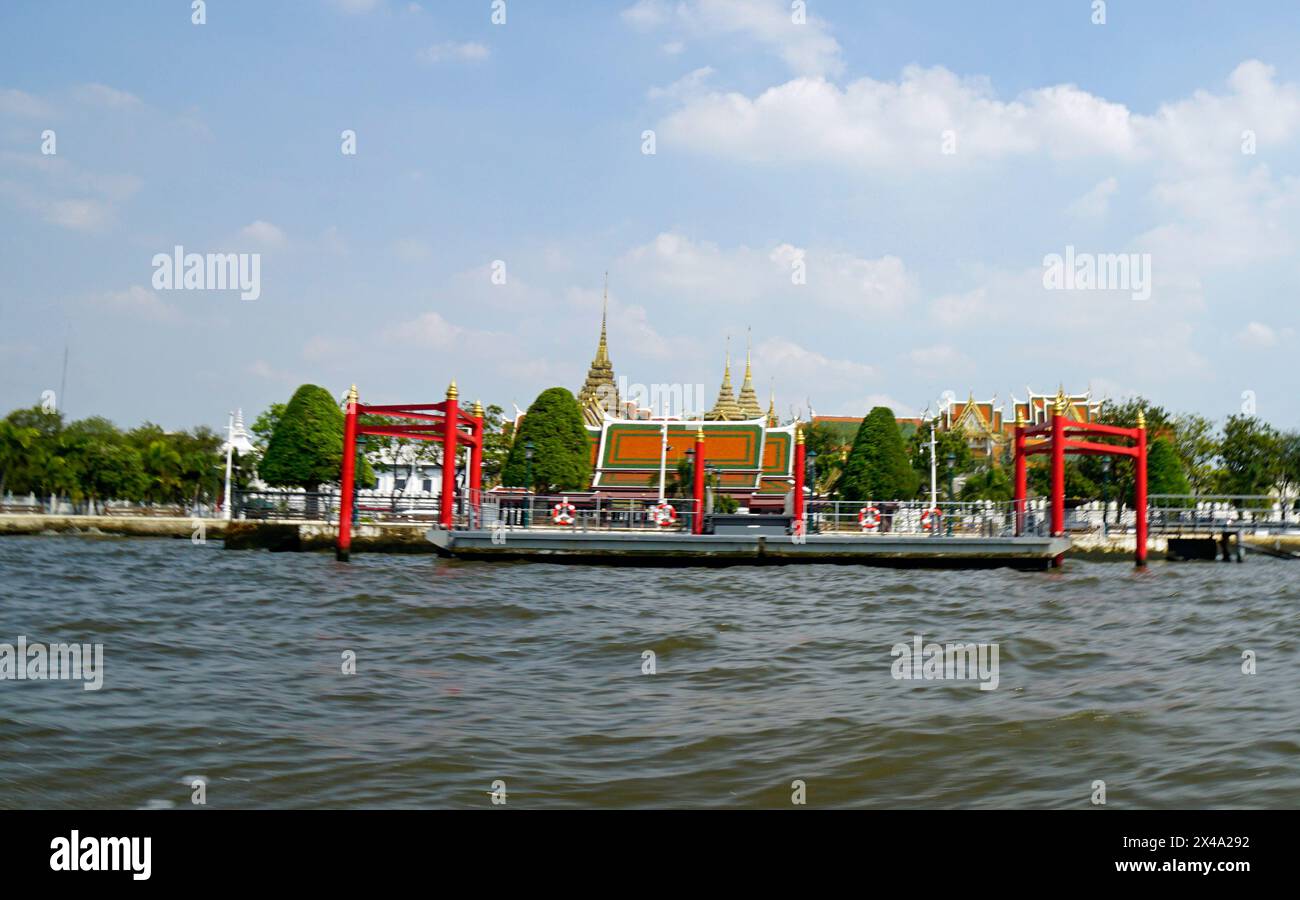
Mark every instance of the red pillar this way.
pixel 1058 473
pixel 1140 491
pixel 1020 475
pixel 799 457
pixel 451 412
pixel 348 477
pixel 697 488
pixel 476 467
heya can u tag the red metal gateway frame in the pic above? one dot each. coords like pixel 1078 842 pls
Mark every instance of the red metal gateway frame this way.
pixel 442 422
pixel 1061 434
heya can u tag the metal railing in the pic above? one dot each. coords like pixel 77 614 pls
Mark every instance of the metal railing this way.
pixel 575 513
pixel 980 518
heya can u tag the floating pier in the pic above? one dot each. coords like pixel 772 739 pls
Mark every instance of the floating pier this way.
pixel 681 549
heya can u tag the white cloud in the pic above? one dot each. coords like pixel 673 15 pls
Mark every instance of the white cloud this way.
pixel 357 7
pixel 1095 203
pixel 806 48
pixel 140 301
pixel 102 95
pixel 263 233
pixel 1258 336
pixel 869 124
pixel 700 271
pixel 452 51
pixel 19 103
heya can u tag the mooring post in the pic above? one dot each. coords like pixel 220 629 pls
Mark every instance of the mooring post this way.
pixel 1020 475
pixel 697 485
pixel 1140 491
pixel 348 477
pixel 476 468
pixel 451 411
pixel 799 462
pixel 1058 472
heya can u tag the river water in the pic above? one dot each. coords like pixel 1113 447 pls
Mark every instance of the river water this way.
pixel 228 666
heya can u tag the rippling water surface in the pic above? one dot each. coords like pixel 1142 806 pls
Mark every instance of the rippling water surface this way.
pixel 227 666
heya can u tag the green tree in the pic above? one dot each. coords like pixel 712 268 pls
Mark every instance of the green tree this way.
pixel 1165 471
pixel 106 465
pixel 878 467
pixel 561 448
pixel 1249 451
pixel 306 448
pixel 989 483
pixel 1197 445
pixel 16 447
pixel 1288 464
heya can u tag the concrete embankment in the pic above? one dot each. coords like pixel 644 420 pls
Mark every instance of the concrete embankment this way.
pixel 293 537
pixel 112 526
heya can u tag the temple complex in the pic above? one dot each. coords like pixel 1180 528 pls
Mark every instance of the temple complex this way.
pixel 749 452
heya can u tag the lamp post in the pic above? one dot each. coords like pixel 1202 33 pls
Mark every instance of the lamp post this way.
pixel 1105 494
pixel 230 449
pixel 528 483
pixel 952 492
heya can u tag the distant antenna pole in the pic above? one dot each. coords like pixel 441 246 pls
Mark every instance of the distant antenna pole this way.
pixel 61 402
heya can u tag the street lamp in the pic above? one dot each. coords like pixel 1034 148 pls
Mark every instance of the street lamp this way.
pixel 1105 493
pixel 528 483
pixel 952 493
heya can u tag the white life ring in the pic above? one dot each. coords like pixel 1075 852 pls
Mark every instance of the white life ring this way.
pixel 869 518
pixel 664 515
pixel 562 513
pixel 930 518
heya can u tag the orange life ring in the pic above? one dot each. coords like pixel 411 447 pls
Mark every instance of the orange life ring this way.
pixel 562 513
pixel 930 518
pixel 869 518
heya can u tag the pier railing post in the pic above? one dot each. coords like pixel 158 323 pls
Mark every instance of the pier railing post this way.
pixel 1058 472
pixel 1140 492
pixel 697 486
pixel 451 413
pixel 475 479
pixel 799 462
pixel 1020 475
pixel 347 478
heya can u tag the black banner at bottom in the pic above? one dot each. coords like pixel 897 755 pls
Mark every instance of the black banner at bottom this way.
pixel 216 848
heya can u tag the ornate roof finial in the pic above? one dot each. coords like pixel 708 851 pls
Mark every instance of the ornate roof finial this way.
pixel 478 409
pixel 452 392
pixel 1020 418
pixel 725 408
pixel 1142 419
pixel 351 401
pixel 798 432
pixel 598 396
pixel 1059 406
pixel 699 434
pixel 748 400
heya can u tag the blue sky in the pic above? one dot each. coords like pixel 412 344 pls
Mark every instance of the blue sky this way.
pixel 776 145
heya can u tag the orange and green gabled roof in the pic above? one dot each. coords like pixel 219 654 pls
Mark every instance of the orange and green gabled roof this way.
pixel 748 455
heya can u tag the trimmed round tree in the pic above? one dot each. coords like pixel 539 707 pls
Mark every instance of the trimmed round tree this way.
pixel 306 448
pixel 1165 472
pixel 878 467
pixel 561 449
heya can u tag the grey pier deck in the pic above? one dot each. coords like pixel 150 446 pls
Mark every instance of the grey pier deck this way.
pixel 677 549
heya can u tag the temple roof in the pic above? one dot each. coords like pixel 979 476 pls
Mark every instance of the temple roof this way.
pixel 725 408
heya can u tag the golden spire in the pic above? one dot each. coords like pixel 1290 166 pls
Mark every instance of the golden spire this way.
pixel 352 395
pixel 699 434
pixel 452 393
pixel 771 411
pixel 1142 419
pixel 602 349
pixel 1059 406
pixel 478 409
pixel 725 408
pixel 748 400
pixel 798 432
pixel 599 394
pixel 1020 418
